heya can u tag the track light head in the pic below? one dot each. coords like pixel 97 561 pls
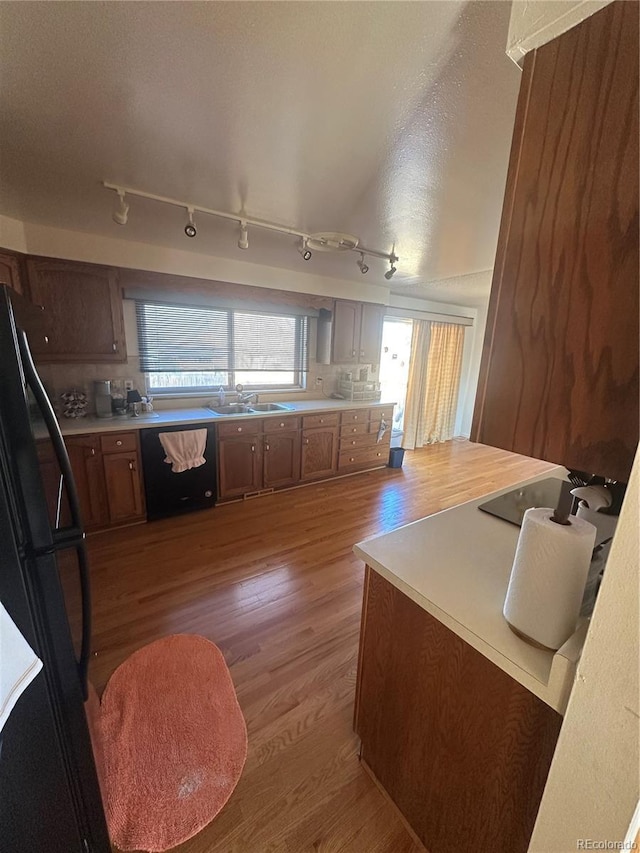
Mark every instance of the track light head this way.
pixel 364 269
pixel 243 239
pixel 190 228
pixel 121 213
pixel 304 250
pixel 392 269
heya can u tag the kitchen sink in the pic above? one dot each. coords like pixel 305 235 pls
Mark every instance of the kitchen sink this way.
pixel 270 407
pixel 231 409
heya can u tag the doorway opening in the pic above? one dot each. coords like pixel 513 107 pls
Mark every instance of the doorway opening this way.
pixel 394 368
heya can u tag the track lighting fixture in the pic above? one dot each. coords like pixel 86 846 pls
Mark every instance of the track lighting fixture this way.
pixel 121 213
pixel 190 228
pixel 324 241
pixel 392 269
pixel 304 249
pixel 243 239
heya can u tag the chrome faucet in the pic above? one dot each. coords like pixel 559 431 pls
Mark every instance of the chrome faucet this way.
pixel 243 398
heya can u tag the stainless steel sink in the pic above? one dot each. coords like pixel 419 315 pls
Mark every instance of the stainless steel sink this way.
pixel 231 409
pixel 270 407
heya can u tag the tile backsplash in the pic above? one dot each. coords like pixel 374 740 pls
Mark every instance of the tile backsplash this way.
pixel 59 378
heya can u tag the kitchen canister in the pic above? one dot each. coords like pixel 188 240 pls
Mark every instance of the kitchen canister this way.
pixel 548 578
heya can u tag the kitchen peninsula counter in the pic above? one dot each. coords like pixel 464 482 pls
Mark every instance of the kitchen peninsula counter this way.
pixel 456 566
pixel 458 717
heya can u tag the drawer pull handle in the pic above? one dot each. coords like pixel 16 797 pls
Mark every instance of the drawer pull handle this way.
pixel 46 339
pixel 119 443
pixel 321 420
pixel 355 417
pixel 354 430
pixel 306 441
pixel 281 423
pixel 351 459
pixel 114 347
pixel 253 448
pixel 353 442
pixel 239 429
pixel 131 468
pixel 266 447
pixel 93 451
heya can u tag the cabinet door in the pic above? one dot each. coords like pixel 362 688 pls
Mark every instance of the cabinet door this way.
pixel 281 459
pixel 124 488
pixel 346 332
pixel 84 306
pixel 319 453
pixel 371 333
pixel 86 463
pixel 454 740
pixel 559 377
pixel 10 271
pixel 239 465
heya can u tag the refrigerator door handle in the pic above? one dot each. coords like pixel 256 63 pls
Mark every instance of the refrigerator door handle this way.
pixel 72 536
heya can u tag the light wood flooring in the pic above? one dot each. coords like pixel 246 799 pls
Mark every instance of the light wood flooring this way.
pixel 274 583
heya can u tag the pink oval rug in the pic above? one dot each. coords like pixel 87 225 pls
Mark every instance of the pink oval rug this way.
pixel 173 742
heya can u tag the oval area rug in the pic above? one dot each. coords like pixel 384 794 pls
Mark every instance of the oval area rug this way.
pixel 173 742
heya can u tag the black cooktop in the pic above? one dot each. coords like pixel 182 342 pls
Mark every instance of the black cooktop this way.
pixel 513 505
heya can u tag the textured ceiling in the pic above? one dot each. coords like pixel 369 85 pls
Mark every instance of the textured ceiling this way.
pixel 388 120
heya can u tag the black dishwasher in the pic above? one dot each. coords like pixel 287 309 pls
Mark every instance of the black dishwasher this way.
pixel 170 493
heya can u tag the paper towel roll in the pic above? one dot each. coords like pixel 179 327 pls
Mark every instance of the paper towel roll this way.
pixel 605 524
pixel 548 577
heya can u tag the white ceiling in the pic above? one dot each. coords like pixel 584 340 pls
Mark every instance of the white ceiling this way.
pixel 388 120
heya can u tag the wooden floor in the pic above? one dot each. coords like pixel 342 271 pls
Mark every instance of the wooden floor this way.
pixel 274 583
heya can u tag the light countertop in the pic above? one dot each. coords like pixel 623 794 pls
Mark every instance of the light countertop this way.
pixel 456 566
pixel 173 417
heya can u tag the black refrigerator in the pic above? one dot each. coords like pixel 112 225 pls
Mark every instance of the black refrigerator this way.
pixel 49 793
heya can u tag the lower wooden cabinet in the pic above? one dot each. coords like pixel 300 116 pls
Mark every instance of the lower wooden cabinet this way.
pixel 239 465
pixel 122 479
pixel 319 453
pixel 461 748
pixel 274 453
pixel 11 270
pixel 106 470
pixel 281 455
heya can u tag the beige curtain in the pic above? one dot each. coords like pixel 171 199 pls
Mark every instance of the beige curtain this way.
pixel 434 383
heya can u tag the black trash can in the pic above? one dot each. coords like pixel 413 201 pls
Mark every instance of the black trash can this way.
pixel 396 455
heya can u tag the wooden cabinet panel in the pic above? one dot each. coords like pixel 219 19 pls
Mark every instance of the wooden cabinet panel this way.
pixel 251 426
pixel 559 379
pixel 11 270
pixel 86 464
pixel 330 419
pixel 357 332
pixel 356 416
pixel 281 459
pixel 285 424
pixel 346 329
pixel 460 747
pixel 118 442
pixel 364 457
pixel 371 333
pixel 124 487
pixel 319 453
pixel 84 306
pixel 239 465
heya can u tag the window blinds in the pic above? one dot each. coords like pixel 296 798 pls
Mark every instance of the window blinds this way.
pixel 189 338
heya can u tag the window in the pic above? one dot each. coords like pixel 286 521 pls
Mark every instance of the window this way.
pixel 196 349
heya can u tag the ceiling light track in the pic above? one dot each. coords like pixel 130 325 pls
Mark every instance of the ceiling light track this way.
pixel 328 241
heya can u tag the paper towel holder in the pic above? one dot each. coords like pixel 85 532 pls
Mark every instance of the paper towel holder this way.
pixel 563 508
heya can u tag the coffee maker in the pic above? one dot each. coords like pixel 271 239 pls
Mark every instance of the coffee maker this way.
pixel 102 390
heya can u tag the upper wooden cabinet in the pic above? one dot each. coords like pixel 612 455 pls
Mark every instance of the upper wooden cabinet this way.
pixel 357 332
pixel 83 304
pixel 11 270
pixel 559 377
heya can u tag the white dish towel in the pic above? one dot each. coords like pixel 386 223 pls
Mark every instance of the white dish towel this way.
pixel 184 449
pixel 19 665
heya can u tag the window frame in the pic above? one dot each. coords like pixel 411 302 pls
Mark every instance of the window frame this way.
pixel 299 373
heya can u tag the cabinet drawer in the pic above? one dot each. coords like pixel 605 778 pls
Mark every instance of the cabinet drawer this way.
pixel 250 427
pixel 367 457
pixel 330 419
pixel 381 414
pixel 354 429
pixel 291 422
pixel 357 441
pixel 359 416
pixel 118 442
